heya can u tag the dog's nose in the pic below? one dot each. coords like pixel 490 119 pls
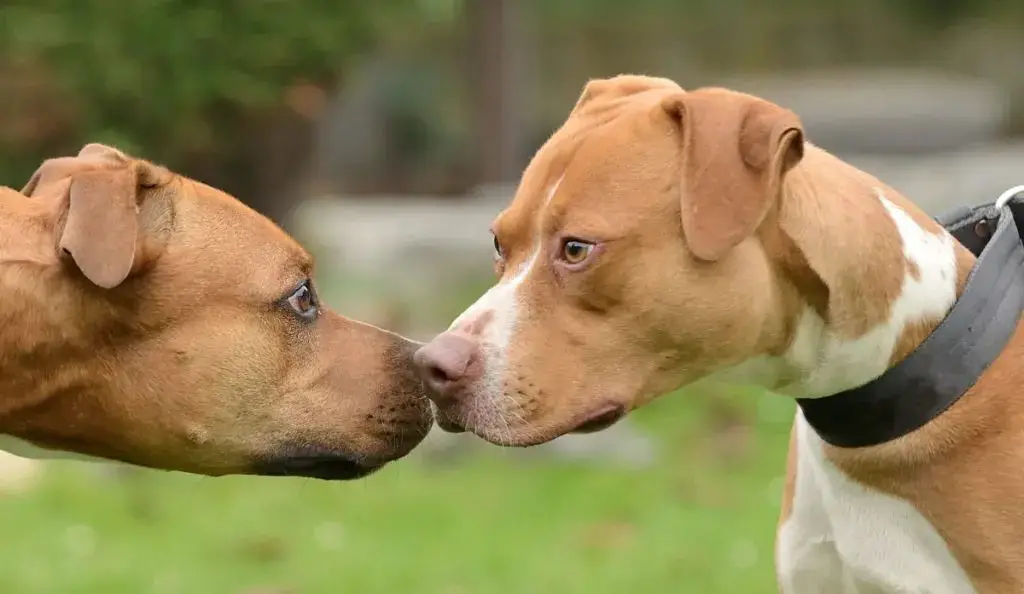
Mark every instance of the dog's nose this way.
pixel 445 361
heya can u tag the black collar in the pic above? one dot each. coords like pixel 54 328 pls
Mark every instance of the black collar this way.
pixel 954 356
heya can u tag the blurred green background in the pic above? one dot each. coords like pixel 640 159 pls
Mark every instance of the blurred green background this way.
pixel 385 135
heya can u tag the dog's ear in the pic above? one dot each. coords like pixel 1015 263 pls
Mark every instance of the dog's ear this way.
pixel 618 87
pixel 735 150
pixel 102 189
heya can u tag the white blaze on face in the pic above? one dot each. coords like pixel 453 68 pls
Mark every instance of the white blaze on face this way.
pixel 493 319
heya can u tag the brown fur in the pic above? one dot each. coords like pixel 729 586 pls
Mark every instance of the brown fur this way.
pixel 705 261
pixel 962 471
pixel 144 318
pixel 617 188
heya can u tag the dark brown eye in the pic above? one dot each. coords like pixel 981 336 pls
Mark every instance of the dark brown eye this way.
pixel 575 251
pixel 304 302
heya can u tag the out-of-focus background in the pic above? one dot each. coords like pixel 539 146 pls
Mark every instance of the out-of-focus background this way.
pixel 385 135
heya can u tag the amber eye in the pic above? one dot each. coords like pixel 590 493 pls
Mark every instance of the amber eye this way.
pixel 304 302
pixel 575 251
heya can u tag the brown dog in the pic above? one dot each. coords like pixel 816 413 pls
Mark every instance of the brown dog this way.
pixel 662 237
pixel 148 318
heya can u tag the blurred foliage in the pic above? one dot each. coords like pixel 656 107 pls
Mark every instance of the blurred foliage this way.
pixel 696 42
pixel 731 35
pixel 231 91
pixel 176 80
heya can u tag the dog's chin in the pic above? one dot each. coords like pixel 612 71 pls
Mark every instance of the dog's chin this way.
pixel 328 468
pixel 504 436
pixel 599 419
pixel 448 422
pixel 537 432
pixel 311 461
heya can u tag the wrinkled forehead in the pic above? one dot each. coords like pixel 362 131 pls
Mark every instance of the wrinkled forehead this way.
pixel 581 174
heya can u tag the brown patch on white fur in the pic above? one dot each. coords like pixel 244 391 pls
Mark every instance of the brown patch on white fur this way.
pixel 863 276
pixel 936 468
pixel 912 269
pixel 844 261
pixel 876 268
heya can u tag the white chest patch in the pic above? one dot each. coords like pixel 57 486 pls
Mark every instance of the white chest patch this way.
pixel 844 538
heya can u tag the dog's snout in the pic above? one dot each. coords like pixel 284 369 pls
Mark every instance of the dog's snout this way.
pixel 447 361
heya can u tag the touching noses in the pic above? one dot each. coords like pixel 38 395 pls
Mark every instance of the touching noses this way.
pixel 447 363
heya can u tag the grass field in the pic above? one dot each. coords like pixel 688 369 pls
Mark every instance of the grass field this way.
pixel 700 521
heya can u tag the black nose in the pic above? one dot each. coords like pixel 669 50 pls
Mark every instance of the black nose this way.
pixel 325 466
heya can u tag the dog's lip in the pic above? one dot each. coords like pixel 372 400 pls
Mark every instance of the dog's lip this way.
pixel 600 419
pixel 449 425
pixel 446 422
pixel 321 466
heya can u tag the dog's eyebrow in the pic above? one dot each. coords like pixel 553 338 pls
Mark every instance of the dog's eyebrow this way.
pixel 306 263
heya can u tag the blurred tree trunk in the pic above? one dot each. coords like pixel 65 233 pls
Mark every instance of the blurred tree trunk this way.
pixel 263 164
pixel 495 47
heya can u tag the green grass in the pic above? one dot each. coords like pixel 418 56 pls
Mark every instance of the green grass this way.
pixel 701 521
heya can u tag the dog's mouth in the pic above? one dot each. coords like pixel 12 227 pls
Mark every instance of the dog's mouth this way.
pixel 325 466
pixel 600 419
pixel 447 422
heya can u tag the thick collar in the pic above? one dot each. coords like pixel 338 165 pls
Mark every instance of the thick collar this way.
pixel 945 366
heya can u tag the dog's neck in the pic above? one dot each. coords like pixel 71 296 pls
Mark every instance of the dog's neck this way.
pixel 40 352
pixel 864 277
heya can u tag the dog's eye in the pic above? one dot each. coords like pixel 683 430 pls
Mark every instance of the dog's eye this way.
pixel 304 302
pixel 575 251
pixel 497 248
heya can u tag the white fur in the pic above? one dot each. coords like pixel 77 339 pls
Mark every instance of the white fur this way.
pixel 502 303
pixel 844 538
pixel 841 536
pixel 825 364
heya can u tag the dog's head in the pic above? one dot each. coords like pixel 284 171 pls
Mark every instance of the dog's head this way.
pixel 627 263
pixel 152 319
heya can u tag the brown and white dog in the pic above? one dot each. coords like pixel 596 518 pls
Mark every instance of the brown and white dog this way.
pixel 664 236
pixel 151 319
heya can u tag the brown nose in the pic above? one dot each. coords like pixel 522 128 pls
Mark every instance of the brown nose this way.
pixel 446 361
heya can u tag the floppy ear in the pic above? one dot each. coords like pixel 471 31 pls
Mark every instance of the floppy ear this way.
pixel 102 189
pixel 735 150
pixel 623 85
